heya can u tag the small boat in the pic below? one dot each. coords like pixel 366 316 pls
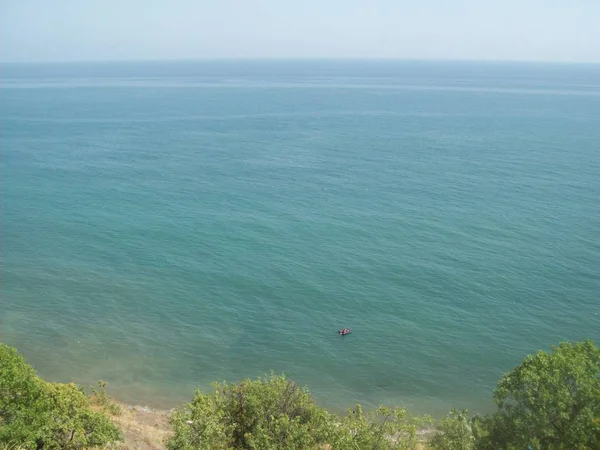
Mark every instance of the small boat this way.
pixel 345 331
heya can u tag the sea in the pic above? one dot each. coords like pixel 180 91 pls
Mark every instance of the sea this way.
pixel 169 224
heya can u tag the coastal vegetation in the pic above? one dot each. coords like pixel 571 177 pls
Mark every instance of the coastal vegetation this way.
pixel 551 401
pixel 36 414
pixel 275 413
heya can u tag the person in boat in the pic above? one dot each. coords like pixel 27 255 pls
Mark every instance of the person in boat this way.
pixel 344 331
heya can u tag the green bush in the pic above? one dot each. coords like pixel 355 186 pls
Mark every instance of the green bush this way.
pixel 100 398
pixel 10 447
pixel 267 413
pixel 274 413
pixel 551 401
pixel 454 432
pixel 383 429
pixel 35 414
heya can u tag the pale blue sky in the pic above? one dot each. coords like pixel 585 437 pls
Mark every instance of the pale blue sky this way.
pixel 78 30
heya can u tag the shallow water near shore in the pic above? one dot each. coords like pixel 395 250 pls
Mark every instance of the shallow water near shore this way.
pixel 166 225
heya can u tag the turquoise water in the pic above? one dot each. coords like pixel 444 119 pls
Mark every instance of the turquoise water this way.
pixel 165 225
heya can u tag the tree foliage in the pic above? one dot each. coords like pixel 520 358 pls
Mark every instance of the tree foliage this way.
pixel 274 413
pixel 36 414
pixel 454 432
pixel 383 429
pixel 551 400
pixel 266 413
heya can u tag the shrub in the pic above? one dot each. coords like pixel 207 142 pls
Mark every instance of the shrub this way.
pixel 551 401
pixel 274 413
pixel 35 414
pixel 383 429
pixel 268 413
pixel 100 398
pixel 454 432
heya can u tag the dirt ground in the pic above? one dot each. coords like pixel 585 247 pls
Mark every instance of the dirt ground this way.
pixel 143 428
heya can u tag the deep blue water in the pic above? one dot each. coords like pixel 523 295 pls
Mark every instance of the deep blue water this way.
pixel 165 225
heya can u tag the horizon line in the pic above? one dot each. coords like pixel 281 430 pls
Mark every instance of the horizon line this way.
pixel 302 58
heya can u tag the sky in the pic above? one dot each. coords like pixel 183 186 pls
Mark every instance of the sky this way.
pixel 110 30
